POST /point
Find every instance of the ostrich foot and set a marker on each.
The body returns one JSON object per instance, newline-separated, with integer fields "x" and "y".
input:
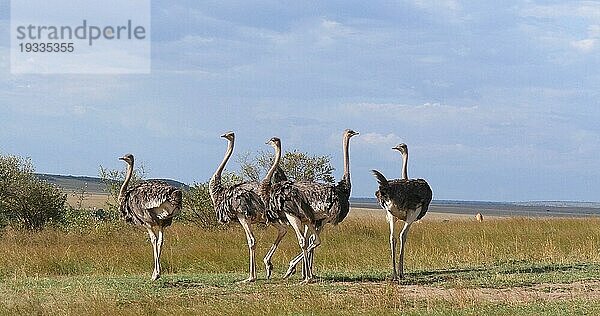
{"x": 248, "y": 280}
{"x": 155, "y": 276}
{"x": 308, "y": 281}
{"x": 291, "y": 270}
{"x": 269, "y": 269}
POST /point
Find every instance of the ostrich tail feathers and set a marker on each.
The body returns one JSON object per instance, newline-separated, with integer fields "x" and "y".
{"x": 380, "y": 178}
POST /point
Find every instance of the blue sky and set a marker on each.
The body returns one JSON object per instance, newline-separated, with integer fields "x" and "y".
{"x": 496, "y": 101}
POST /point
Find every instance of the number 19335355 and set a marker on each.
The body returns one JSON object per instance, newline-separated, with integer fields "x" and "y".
{"x": 46, "y": 47}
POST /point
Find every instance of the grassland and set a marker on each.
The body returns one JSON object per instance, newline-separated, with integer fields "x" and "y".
{"x": 457, "y": 267}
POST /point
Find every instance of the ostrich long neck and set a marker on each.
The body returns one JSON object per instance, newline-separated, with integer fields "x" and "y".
{"x": 346, "y": 143}
{"x": 405, "y": 165}
{"x": 126, "y": 182}
{"x": 269, "y": 175}
{"x": 216, "y": 178}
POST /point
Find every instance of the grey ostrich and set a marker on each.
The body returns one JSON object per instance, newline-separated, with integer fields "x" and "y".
{"x": 284, "y": 200}
{"x": 403, "y": 199}
{"x": 151, "y": 204}
{"x": 330, "y": 202}
{"x": 241, "y": 203}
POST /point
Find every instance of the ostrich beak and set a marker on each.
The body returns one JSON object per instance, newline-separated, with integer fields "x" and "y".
{"x": 121, "y": 158}
{"x": 227, "y": 134}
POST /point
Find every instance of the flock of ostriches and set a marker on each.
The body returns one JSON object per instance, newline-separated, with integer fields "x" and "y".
{"x": 305, "y": 206}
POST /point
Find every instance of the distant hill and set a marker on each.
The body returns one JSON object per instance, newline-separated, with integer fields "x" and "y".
{"x": 94, "y": 185}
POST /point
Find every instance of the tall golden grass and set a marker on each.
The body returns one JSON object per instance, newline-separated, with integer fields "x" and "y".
{"x": 360, "y": 244}
{"x": 107, "y": 270}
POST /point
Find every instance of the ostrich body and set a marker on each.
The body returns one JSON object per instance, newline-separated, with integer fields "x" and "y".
{"x": 285, "y": 200}
{"x": 151, "y": 204}
{"x": 330, "y": 202}
{"x": 403, "y": 199}
{"x": 241, "y": 203}
{"x": 479, "y": 217}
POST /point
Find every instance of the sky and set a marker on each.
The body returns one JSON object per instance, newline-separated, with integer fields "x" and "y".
{"x": 497, "y": 101}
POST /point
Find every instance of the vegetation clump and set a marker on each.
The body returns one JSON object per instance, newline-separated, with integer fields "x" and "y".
{"x": 26, "y": 201}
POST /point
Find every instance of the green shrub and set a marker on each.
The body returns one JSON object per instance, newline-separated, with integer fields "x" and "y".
{"x": 197, "y": 204}
{"x": 26, "y": 201}
{"x": 84, "y": 220}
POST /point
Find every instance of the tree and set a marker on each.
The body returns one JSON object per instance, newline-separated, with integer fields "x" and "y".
{"x": 298, "y": 166}
{"x": 25, "y": 200}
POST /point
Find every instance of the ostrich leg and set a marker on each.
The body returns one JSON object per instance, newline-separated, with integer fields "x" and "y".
{"x": 251, "y": 247}
{"x": 403, "y": 235}
{"x": 392, "y": 221}
{"x": 154, "y": 241}
{"x": 281, "y": 231}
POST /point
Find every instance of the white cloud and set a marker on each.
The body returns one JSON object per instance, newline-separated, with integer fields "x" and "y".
{"x": 390, "y": 139}
{"x": 425, "y": 113}
{"x": 585, "y": 46}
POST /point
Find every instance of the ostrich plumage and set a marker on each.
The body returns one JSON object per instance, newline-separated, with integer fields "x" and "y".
{"x": 403, "y": 196}
{"x": 404, "y": 199}
{"x": 151, "y": 204}
{"x": 287, "y": 201}
{"x": 140, "y": 203}
{"x": 242, "y": 203}
{"x": 229, "y": 202}
{"x": 330, "y": 202}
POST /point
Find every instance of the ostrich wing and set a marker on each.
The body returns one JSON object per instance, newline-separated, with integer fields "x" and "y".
{"x": 151, "y": 200}
{"x": 329, "y": 201}
{"x": 403, "y": 194}
{"x": 286, "y": 197}
{"x": 238, "y": 199}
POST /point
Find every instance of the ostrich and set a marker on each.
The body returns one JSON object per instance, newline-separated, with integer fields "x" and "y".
{"x": 285, "y": 200}
{"x": 403, "y": 199}
{"x": 330, "y": 202}
{"x": 479, "y": 217}
{"x": 241, "y": 203}
{"x": 151, "y": 204}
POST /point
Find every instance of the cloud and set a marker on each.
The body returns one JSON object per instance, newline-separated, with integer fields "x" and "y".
{"x": 371, "y": 138}
{"x": 586, "y": 45}
{"x": 414, "y": 114}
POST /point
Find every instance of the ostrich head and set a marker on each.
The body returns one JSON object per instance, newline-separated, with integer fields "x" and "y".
{"x": 229, "y": 136}
{"x": 402, "y": 148}
{"x": 127, "y": 158}
{"x": 349, "y": 133}
{"x": 274, "y": 142}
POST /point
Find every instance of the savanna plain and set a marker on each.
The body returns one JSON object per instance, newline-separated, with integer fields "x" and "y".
{"x": 454, "y": 266}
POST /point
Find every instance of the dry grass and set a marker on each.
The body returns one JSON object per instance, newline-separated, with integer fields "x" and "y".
{"x": 107, "y": 271}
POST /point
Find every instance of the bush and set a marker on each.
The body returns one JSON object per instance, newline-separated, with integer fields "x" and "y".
{"x": 197, "y": 204}
{"x": 26, "y": 201}
{"x": 83, "y": 220}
